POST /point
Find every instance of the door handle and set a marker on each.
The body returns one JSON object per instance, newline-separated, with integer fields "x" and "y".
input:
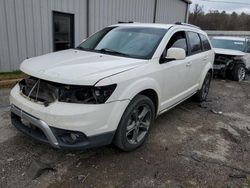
{"x": 189, "y": 64}
{"x": 205, "y": 59}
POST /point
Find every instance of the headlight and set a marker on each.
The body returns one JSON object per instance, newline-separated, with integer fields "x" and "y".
{"x": 86, "y": 94}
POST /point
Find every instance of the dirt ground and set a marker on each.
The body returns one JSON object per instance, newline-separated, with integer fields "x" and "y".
{"x": 192, "y": 145}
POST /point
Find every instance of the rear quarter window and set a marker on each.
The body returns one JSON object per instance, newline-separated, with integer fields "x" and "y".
{"x": 194, "y": 42}
{"x": 205, "y": 43}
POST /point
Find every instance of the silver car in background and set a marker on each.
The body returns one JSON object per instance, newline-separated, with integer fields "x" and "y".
{"x": 232, "y": 59}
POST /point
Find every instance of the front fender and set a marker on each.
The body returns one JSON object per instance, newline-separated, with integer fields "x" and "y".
{"x": 138, "y": 86}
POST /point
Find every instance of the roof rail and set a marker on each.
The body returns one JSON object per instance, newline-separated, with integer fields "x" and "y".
{"x": 121, "y": 22}
{"x": 186, "y": 24}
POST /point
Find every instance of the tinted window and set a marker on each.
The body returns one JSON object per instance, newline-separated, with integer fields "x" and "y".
{"x": 195, "y": 42}
{"x": 178, "y": 40}
{"x": 205, "y": 43}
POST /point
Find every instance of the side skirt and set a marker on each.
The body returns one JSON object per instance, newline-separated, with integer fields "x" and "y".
{"x": 174, "y": 105}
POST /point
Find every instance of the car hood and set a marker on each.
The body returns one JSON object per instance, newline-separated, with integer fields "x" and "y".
{"x": 77, "y": 67}
{"x": 228, "y": 52}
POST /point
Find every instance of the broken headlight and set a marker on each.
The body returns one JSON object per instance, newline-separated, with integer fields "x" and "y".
{"x": 238, "y": 58}
{"x": 85, "y": 94}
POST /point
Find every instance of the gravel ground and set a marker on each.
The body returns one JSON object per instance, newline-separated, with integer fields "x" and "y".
{"x": 192, "y": 145}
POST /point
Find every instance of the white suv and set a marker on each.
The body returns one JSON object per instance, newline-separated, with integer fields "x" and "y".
{"x": 112, "y": 86}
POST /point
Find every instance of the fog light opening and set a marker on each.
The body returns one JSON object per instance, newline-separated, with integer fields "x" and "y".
{"x": 74, "y": 136}
{"x": 71, "y": 138}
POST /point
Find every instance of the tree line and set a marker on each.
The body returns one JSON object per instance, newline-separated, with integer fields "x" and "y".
{"x": 216, "y": 20}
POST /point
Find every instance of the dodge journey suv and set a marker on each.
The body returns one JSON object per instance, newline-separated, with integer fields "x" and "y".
{"x": 112, "y": 86}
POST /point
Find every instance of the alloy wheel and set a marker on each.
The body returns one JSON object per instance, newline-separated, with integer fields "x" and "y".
{"x": 241, "y": 73}
{"x": 138, "y": 124}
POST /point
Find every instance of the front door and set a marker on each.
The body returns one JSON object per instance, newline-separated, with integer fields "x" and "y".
{"x": 63, "y": 31}
{"x": 174, "y": 73}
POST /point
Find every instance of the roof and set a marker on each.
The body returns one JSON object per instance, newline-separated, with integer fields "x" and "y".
{"x": 161, "y": 26}
{"x": 230, "y": 38}
{"x": 188, "y": 1}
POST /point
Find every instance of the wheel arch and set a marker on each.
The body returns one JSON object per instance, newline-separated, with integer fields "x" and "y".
{"x": 236, "y": 62}
{"x": 208, "y": 68}
{"x": 148, "y": 87}
{"x": 150, "y": 93}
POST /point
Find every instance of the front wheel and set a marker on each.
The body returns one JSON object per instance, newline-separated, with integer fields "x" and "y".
{"x": 135, "y": 123}
{"x": 238, "y": 72}
{"x": 202, "y": 94}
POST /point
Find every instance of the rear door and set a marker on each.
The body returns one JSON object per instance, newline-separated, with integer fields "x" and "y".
{"x": 196, "y": 60}
{"x": 207, "y": 50}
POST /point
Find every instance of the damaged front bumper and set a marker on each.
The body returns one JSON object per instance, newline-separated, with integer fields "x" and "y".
{"x": 60, "y": 124}
{"x": 57, "y": 138}
{"x": 42, "y": 133}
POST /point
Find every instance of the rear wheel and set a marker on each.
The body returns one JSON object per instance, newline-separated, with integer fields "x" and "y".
{"x": 202, "y": 94}
{"x": 135, "y": 123}
{"x": 239, "y": 72}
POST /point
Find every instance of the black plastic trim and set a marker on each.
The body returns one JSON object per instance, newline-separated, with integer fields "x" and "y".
{"x": 89, "y": 142}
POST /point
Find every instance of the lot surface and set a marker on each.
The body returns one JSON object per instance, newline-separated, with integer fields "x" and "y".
{"x": 191, "y": 145}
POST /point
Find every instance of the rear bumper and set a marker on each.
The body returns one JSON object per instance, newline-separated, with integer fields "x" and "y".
{"x": 42, "y": 132}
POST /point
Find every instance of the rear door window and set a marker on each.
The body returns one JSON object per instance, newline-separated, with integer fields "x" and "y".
{"x": 205, "y": 43}
{"x": 194, "y": 42}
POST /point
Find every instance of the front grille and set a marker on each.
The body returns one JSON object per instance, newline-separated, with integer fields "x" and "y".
{"x": 39, "y": 90}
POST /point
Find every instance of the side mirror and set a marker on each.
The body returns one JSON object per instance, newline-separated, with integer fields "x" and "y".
{"x": 175, "y": 54}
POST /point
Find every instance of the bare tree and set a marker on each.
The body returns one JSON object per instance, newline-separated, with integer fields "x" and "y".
{"x": 198, "y": 9}
{"x": 216, "y": 20}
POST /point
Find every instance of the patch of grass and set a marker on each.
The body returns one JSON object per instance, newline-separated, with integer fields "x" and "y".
{"x": 12, "y": 75}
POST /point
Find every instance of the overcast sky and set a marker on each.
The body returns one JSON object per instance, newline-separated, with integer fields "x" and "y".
{"x": 238, "y": 7}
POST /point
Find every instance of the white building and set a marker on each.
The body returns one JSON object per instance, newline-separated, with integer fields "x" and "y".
{"x": 30, "y": 28}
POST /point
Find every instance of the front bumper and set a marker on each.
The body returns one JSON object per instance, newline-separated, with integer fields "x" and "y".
{"x": 42, "y": 132}
{"x": 97, "y": 123}
{"x": 47, "y": 136}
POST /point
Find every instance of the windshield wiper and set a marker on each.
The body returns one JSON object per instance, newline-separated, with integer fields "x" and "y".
{"x": 107, "y": 50}
{"x": 104, "y": 50}
{"x": 80, "y": 48}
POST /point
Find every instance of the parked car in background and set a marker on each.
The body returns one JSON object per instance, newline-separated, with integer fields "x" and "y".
{"x": 232, "y": 57}
{"x": 112, "y": 86}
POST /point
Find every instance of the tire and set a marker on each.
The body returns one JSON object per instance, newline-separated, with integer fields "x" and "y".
{"x": 135, "y": 123}
{"x": 238, "y": 72}
{"x": 202, "y": 94}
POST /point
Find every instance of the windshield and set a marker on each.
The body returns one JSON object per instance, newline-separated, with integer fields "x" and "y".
{"x": 135, "y": 42}
{"x": 229, "y": 44}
